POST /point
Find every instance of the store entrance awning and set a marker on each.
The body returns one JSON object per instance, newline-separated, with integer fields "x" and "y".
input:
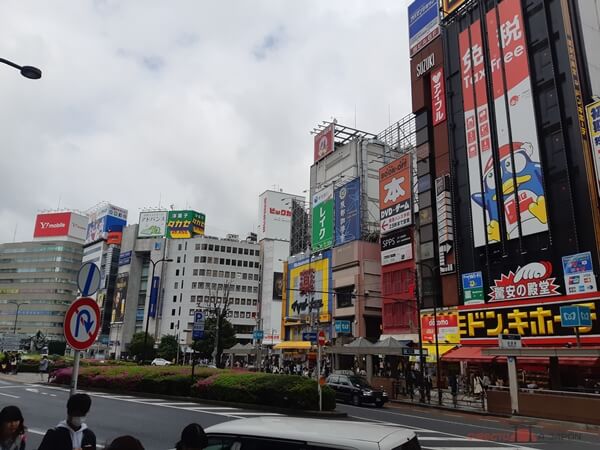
{"x": 468, "y": 354}
{"x": 430, "y": 358}
{"x": 293, "y": 345}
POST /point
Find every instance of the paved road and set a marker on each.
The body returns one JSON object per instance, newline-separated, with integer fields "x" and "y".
{"x": 157, "y": 422}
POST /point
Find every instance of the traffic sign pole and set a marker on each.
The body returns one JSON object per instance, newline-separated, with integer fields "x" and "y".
{"x": 75, "y": 374}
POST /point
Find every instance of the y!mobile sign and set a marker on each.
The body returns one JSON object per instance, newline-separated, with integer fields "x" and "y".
{"x": 60, "y": 224}
{"x": 423, "y": 24}
{"x": 395, "y": 194}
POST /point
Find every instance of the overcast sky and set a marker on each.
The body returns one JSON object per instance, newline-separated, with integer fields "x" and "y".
{"x": 199, "y": 104}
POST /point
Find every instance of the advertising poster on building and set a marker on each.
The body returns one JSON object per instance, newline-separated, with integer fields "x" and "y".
{"x": 447, "y": 327}
{"x": 480, "y": 160}
{"x": 579, "y": 273}
{"x": 593, "y": 117}
{"x": 309, "y": 286}
{"x": 58, "y": 224}
{"x": 324, "y": 142}
{"x": 152, "y": 224}
{"x": 472, "y": 284}
{"x": 423, "y": 24}
{"x": 533, "y": 280}
{"x": 278, "y": 285}
{"x": 438, "y": 96}
{"x": 184, "y": 224}
{"x": 449, "y": 6}
{"x": 520, "y": 168}
{"x": 275, "y": 215}
{"x": 396, "y": 247}
{"x": 395, "y": 194}
{"x": 537, "y": 323}
{"x": 322, "y": 219}
{"x": 118, "y": 312}
{"x": 347, "y": 212}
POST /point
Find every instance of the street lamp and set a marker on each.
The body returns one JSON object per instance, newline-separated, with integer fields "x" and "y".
{"x": 33, "y": 73}
{"x": 435, "y": 325}
{"x": 154, "y": 263}
{"x": 19, "y": 304}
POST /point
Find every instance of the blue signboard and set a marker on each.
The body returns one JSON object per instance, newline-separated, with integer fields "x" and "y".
{"x": 124, "y": 258}
{"x": 114, "y": 224}
{"x": 309, "y": 336}
{"x": 342, "y": 326}
{"x": 472, "y": 280}
{"x": 198, "y": 330}
{"x": 423, "y": 23}
{"x": 153, "y": 296}
{"x": 347, "y": 212}
{"x": 579, "y": 273}
{"x": 575, "y": 316}
{"x": 258, "y": 334}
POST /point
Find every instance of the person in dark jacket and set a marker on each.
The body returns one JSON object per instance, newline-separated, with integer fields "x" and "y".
{"x": 192, "y": 438}
{"x": 72, "y": 433}
{"x": 125, "y": 443}
{"x": 12, "y": 430}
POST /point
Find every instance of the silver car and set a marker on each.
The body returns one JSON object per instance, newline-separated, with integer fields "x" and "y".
{"x": 295, "y": 433}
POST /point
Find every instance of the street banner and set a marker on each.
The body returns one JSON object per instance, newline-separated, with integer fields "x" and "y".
{"x": 322, "y": 219}
{"x": 347, "y": 212}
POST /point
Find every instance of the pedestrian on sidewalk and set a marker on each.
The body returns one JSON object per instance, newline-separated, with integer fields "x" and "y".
{"x": 12, "y": 430}
{"x": 72, "y": 433}
{"x": 125, "y": 443}
{"x": 44, "y": 364}
{"x": 453, "y": 384}
{"x": 192, "y": 438}
{"x": 428, "y": 385}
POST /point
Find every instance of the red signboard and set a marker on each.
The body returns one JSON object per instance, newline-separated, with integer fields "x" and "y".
{"x": 324, "y": 142}
{"x": 52, "y": 224}
{"x": 447, "y": 327}
{"x": 438, "y": 96}
{"x": 395, "y": 194}
{"x": 533, "y": 280}
{"x": 114, "y": 237}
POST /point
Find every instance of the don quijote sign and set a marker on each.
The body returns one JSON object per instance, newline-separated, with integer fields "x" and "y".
{"x": 532, "y": 280}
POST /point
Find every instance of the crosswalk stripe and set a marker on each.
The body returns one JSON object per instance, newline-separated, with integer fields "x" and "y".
{"x": 206, "y": 408}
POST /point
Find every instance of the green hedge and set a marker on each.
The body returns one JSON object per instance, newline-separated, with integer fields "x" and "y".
{"x": 56, "y": 363}
{"x": 282, "y": 391}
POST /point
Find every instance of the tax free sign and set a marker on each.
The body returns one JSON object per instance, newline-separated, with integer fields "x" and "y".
{"x": 322, "y": 219}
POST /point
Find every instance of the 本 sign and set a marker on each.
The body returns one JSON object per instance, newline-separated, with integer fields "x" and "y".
{"x": 395, "y": 194}
{"x": 82, "y": 323}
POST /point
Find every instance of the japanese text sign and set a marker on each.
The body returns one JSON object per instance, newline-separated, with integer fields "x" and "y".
{"x": 533, "y": 280}
{"x": 347, "y": 212}
{"x": 438, "y": 96}
{"x": 579, "y": 273}
{"x": 395, "y": 194}
{"x": 322, "y": 219}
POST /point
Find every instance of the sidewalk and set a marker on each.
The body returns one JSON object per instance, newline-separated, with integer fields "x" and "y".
{"x": 23, "y": 377}
{"x": 464, "y": 402}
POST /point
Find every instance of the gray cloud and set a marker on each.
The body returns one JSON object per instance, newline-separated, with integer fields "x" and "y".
{"x": 192, "y": 103}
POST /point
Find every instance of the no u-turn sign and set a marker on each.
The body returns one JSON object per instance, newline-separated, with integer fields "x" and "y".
{"x": 82, "y": 323}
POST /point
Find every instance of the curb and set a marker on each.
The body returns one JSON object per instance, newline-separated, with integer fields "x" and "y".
{"x": 449, "y": 408}
{"x": 289, "y": 412}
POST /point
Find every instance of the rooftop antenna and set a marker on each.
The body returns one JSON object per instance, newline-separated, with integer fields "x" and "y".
{"x": 15, "y": 232}
{"x": 59, "y": 199}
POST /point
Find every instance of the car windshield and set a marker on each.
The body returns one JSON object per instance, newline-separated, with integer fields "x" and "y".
{"x": 359, "y": 382}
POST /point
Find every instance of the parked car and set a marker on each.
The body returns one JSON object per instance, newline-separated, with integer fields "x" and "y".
{"x": 356, "y": 390}
{"x": 294, "y": 433}
{"x": 160, "y": 362}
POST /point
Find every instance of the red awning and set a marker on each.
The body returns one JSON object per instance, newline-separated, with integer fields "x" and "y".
{"x": 470, "y": 354}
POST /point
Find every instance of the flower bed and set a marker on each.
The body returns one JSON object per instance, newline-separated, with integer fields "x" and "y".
{"x": 165, "y": 380}
{"x": 32, "y": 364}
{"x": 282, "y": 391}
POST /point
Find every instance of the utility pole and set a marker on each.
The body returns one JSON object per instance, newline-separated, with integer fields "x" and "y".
{"x": 215, "y": 350}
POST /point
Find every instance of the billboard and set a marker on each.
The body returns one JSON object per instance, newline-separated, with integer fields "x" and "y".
{"x": 105, "y": 219}
{"x": 593, "y": 117}
{"x": 347, "y": 212}
{"x": 423, "y": 24}
{"x": 324, "y": 142}
{"x": 322, "y": 219}
{"x": 396, "y": 247}
{"x": 537, "y": 323}
{"x": 152, "y": 224}
{"x": 184, "y": 224}
{"x": 309, "y": 286}
{"x": 449, "y": 6}
{"x": 395, "y": 194}
{"x": 60, "y": 224}
{"x": 438, "y": 96}
{"x": 579, "y": 273}
{"x": 533, "y": 280}
{"x": 519, "y": 150}
{"x": 447, "y": 327}
{"x": 278, "y": 285}
{"x": 275, "y": 215}
{"x": 118, "y": 312}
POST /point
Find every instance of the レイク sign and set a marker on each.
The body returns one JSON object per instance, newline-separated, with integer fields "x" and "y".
{"x": 533, "y": 280}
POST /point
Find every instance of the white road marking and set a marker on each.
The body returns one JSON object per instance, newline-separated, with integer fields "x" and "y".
{"x": 203, "y": 408}
{"x": 9, "y": 395}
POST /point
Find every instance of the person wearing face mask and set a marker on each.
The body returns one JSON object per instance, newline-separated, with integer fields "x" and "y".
{"x": 12, "y": 430}
{"x": 73, "y": 433}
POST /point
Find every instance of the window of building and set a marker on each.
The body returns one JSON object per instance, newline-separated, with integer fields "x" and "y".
{"x": 245, "y": 263}
{"x": 221, "y": 274}
{"x": 237, "y": 301}
{"x": 193, "y": 298}
{"x": 256, "y": 277}
{"x": 208, "y": 272}
{"x": 344, "y": 296}
{"x": 255, "y": 289}
{"x": 202, "y": 259}
{"x": 226, "y": 274}
{"x": 244, "y": 288}
{"x": 254, "y": 302}
{"x": 176, "y": 285}
{"x": 197, "y": 247}
{"x": 234, "y": 250}
{"x": 239, "y": 263}
{"x": 229, "y": 313}
{"x": 179, "y": 247}
{"x": 228, "y": 262}
{"x": 236, "y": 314}
{"x": 174, "y": 298}
{"x": 209, "y": 260}
{"x": 173, "y": 312}
{"x": 192, "y": 312}
{"x": 257, "y": 265}
{"x": 243, "y": 301}
{"x": 176, "y": 272}
{"x": 228, "y": 250}
{"x": 201, "y": 272}
{"x": 195, "y": 273}
{"x": 223, "y": 248}
{"x": 248, "y": 315}
{"x": 204, "y": 246}
{"x": 253, "y": 315}
{"x": 201, "y": 285}
{"x": 194, "y": 284}
{"x": 182, "y": 283}
{"x": 244, "y": 276}
{"x": 214, "y": 286}
{"x": 199, "y": 298}
{"x": 210, "y": 247}
{"x": 172, "y": 325}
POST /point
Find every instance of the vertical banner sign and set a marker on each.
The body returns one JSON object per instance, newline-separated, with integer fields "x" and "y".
{"x": 120, "y": 299}
{"x": 593, "y": 117}
{"x": 443, "y": 202}
{"x": 322, "y": 219}
{"x": 347, "y": 212}
{"x": 423, "y": 24}
{"x": 484, "y": 207}
{"x": 438, "y": 96}
{"x": 472, "y": 284}
{"x": 324, "y": 142}
{"x": 395, "y": 194}
{"x": 520, "y": 169}
{"x": 153, "y": 297}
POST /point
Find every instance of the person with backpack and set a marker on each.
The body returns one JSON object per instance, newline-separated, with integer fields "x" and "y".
{"x": 12, "y": 430}
{"x": 72, "y": 433}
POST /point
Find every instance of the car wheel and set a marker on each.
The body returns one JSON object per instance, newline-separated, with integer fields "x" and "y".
{"x": 356, "y": 400}
{"x": 379, "y": 404}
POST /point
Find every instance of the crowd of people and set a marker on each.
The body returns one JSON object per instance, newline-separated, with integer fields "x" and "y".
{"x": 74, "y": 433}
{"x": 9, "y": 362}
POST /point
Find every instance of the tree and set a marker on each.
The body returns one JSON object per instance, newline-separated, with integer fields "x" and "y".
{"x": 136, "y": 346}
{"x": 227, "y": 339}
{"x": 56, "y": 347}
{"x": 167, "y": 348}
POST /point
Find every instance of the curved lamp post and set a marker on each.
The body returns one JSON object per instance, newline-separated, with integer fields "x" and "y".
{"x": 19, "y": 304}
{"x": 154, "y": 263}
{"x": 33, "y": 73}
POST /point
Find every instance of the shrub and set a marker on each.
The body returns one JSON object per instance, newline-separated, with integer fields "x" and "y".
{"x": 282, "y": 391}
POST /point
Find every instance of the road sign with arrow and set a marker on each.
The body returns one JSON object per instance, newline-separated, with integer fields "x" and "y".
{"x": 82, "y": 323}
